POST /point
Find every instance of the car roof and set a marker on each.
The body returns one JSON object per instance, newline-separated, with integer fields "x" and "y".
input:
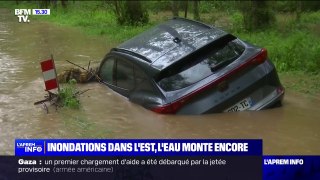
{"x": 168, "y": 42}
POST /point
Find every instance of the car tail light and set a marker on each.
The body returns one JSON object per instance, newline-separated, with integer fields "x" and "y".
{"x": 280, "y": 90}
{"x": 166, "y": 109}
{"x": 173, "y": 107}
{"x": 261, "y": 57}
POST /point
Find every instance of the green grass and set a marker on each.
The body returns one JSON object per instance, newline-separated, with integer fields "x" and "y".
{"x": 92, "y": 17}
{"x": 291, "y": 45}
{"x": 94, "y": 20}
{"x": 297, "y": 51}
{"x": 67, "y": 95}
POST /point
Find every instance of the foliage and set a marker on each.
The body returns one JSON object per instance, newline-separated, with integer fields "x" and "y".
{"x": 256, "y": 15}
{"x": 285, "y": 6}
{"x": 289, "y": 52}
{"x": 311, "y": 17}
{"x": 214, "y": 6}
{"x": 292, "y": 44}
{"x": 67, "y": 95}
{"x": 131, "y": 13}
{"x": 237, "y": 22}
{"x": 158, "y": 6}
{"x": 196, "y": 13}
{"x": 293, "y": 6}
{"x": 94, "y": 18}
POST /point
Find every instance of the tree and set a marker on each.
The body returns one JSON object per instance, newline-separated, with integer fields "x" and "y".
{"x": 298, "y": 10}
{"x": 43, "y": 3}
{"x": 256, "y": 14}
{"x": 175, "y": 9}
{"x": 186, "y": 8}
{"x": 64, "y": 3}
{"x": 54, "y": 3}
{"x": 196, "y": 14}
{"x": 130, "y": 12}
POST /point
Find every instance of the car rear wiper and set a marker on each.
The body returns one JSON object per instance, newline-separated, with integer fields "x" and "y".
{"x": 222, "y": 64}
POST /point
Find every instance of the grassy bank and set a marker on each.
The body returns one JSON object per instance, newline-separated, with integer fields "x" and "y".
{"x": 301, "y": 82}
{"x": 92, "y": 17}
{"x": 293, "y": 46}
{"x": 94, "y": 20}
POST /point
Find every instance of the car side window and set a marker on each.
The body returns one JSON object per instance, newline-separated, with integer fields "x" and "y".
{"x": 142, "y": 82}
{"x": 106, "y": 71}
{"x": 124, "y": 75}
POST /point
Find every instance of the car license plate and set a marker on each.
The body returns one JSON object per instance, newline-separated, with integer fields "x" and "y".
{"x": 240, "y": 106}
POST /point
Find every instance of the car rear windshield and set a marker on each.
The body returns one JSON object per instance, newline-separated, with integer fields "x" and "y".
{"x": 194, "y": 72}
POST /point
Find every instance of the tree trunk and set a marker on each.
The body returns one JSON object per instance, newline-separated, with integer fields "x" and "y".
{"x": 186, "y": 9}
{"x": 64, "y": 3}
{"x": 175, "y": 9}
{"x": 130, "y": 12}
{"x": 196, "y": 14}
{"x": 117, "y": 11}
{"x": 54, "y": 3}
{"x": 134, "y": 12}
{"x": 44, "y": 4}
{"x": 256, "y": 14}
{"x": 298, "y": 10}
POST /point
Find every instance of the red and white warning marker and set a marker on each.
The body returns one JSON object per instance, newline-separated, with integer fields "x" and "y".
{"x": 49, "y": 74}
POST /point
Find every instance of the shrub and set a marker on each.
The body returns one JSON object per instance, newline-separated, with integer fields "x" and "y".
{"x": 67, "y": 95}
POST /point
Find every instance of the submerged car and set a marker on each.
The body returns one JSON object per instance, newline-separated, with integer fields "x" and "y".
{"x": 186, "y": 67}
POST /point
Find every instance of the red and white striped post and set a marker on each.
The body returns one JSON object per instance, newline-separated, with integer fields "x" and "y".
{"x": 49, "y": 74}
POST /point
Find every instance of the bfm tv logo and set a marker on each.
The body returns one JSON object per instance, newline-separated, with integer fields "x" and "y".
{"x": 30, "y": 147}
{"x": 23, "y": 14}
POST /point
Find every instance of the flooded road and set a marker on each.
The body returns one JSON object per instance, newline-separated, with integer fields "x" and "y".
{"x": 293, "y": 129}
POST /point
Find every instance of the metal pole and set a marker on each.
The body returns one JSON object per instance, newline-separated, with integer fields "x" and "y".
{"x": 55, "y": 71}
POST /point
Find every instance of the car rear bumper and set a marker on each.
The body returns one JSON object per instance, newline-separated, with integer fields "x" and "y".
{"x": 260, "y": 86}
{"x": 270, "y": 100}
{"x": 266, "y": 93}
{"x": 263, "y": 93}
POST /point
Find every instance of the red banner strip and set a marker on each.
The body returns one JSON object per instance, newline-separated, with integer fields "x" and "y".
{"x": 51, "y": 84}
{"x": 47, "y": 65}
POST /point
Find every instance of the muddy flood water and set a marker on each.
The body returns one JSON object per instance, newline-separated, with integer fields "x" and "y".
{"x": 292, "y": 129}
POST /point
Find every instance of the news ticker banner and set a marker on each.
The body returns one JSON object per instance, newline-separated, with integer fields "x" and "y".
{"x": 153, "y": 159}
{"x": 170, "y": 167}
{"x": 137, "y": 147}
{"x": 135, "y": 159}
